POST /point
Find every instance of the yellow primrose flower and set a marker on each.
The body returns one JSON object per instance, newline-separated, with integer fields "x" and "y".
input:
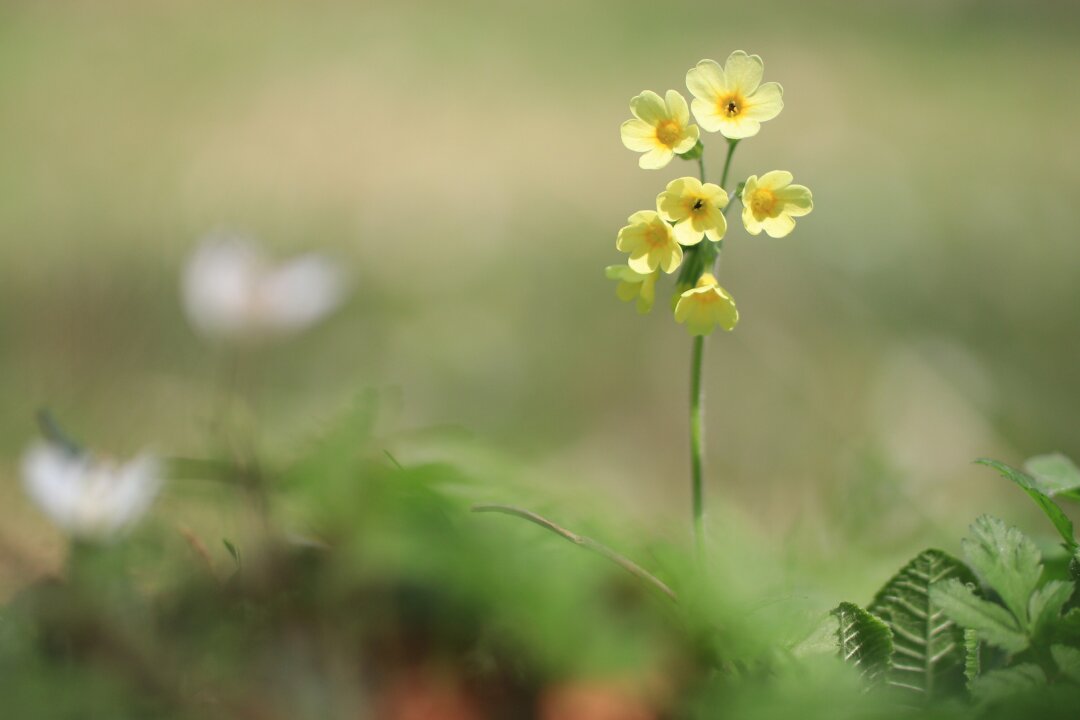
{"x": 633, "y": 285}
{"x": 650, "y": 242}
{"x": 696, "y": 208}
{"x": 705, "y": 306}
{"x": 732, "y": 99}
{"x": 660, "y": 128}
{"x": 772, "y": 203}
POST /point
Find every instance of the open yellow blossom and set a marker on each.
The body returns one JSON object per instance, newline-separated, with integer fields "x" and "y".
{"x": 650, "y": 242}
{"x": 696, "y": 208}
{"x": 771, "y": 203}
{"x": 660, "y": 128}
{"x": 732, "y": 99}
{"x": 633, "y": 285}
{"x": 704, "y": 307}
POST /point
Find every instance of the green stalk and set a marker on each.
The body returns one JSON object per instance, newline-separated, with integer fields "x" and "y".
{"x": 697, "y": 404}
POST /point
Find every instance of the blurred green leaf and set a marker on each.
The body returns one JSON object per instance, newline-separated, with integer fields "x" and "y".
{"x": 1055, "y": 474}
{"x": 1007, "y": 560}
{"x": 998, "y": 685}
{"x": 1044, "y": 500}
{"x": 1068, "y": 661}
{"x": 1046, "y": 605}
{"x": 993, "y": 623}
{"x": 864, "y": 641}
{"x": 929, "y": 645}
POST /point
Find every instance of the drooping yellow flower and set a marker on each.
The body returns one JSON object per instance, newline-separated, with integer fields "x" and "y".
{"x": 771, "y": 203}
{"x": 696, "y": 208}
{"x": 661, "y": 128}
{"x": 650, "y": 242}
{"x": 633, "y": 284}
{"x": 704, "y": 307}
{"x": 732, "y": 99}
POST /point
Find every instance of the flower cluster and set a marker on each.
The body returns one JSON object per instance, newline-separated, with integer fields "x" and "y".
{"x": 733, "y": 101}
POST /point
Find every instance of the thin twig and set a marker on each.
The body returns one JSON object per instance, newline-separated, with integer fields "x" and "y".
{"x": 621, "y": 560}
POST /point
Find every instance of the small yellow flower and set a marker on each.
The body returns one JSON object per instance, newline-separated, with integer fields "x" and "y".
{"x": 697, "y": 209}
{"x": 661, "y": 128}
{"x": 706, "y": 306}
{"x": 650, "y": 242}
{"x": 633, "y": 285}
{"x": 732, "y": 99}
{"x": 771, "y": 203}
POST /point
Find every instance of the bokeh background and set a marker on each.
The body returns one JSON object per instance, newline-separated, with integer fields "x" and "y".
{"x": 462, "y": 161}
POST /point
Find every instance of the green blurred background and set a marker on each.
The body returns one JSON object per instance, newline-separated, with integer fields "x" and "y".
{"x": 463, "y": 162}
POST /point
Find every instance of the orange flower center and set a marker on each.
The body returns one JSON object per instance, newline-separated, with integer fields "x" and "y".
{"x": 668, "y": 132}
{"x": 731, "y": 106}
{"x": 655, "y": 236}
{"x": 763, "y": 203}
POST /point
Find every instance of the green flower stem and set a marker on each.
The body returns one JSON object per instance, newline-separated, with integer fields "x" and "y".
{"x": 697, "y": 403}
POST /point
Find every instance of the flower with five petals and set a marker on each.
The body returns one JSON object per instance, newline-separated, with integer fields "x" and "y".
{"x": 661, "y": 128}
{"x": 732, "y": 99}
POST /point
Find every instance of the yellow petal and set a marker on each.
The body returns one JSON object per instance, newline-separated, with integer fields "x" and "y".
{"x": 778, "y": 226}
{"x": 775, "y": 180}
{"x": 719, "y": 226}
{"x": 649, "y": 107}
{"x": 706, "y": 81}
{"x": 706, "y": 114}
{"x": 751, "y": 223}
{"x": 743, "y": 72}
{"x": 656, "y": 158}
{"x": 690, "y": 138}
{"x": 766, "y": 103}
{"x": 686, "y": 233}
{"x": 678, "y": 110}
{"x": 670, "y": 258}
{"x": 797, "y": 199}
{"x": 648, "y": 294}
{"x": 642, "y": 261}
{"x": 638, "y": 135}
{"x": 736, "y": 128}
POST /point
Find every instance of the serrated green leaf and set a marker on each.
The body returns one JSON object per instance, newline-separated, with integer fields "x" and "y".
{"x": 972, "y": 658}
{"x": 1046, "y": 605}
{"x": 864, "y": 641}
{"x": 998, "y": 685}
{"x": 1055, "y": 474}
{"x": 994, "y": 623}
{"x": 1068, "y": 661}
{"x": 1042, "y": 498}
{"x": 1007, "y": 560}
{"x": 929, "y": 645}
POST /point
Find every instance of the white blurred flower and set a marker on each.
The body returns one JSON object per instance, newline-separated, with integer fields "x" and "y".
{"x": 232, "y": 292}
{"x": 90, "y": 498}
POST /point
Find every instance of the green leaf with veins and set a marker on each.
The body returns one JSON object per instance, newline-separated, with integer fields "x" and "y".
{"x": 1007, "y": 560}
{"x": 993, "y": 623}
{"x": 929, "y": 657}
{"x": 863, "y": 641}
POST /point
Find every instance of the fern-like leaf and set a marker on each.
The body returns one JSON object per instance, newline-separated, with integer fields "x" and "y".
{"x": 864, "y": 641}
{"x": 929, "y": 656}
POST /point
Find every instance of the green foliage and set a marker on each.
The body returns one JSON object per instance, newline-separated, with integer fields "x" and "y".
{"x": 1067, "y": 660}
{"x": 999, "y": 685}
{"x": 1055, "y": 474}
{"x": 929, "y": 647}
{"x": 993, "y": 623}
{"x": 1042, "y": 492}
{"x": 972, "y": 661}
{"x": 863, "y": 641}
{"x": 1007, "y": 560}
